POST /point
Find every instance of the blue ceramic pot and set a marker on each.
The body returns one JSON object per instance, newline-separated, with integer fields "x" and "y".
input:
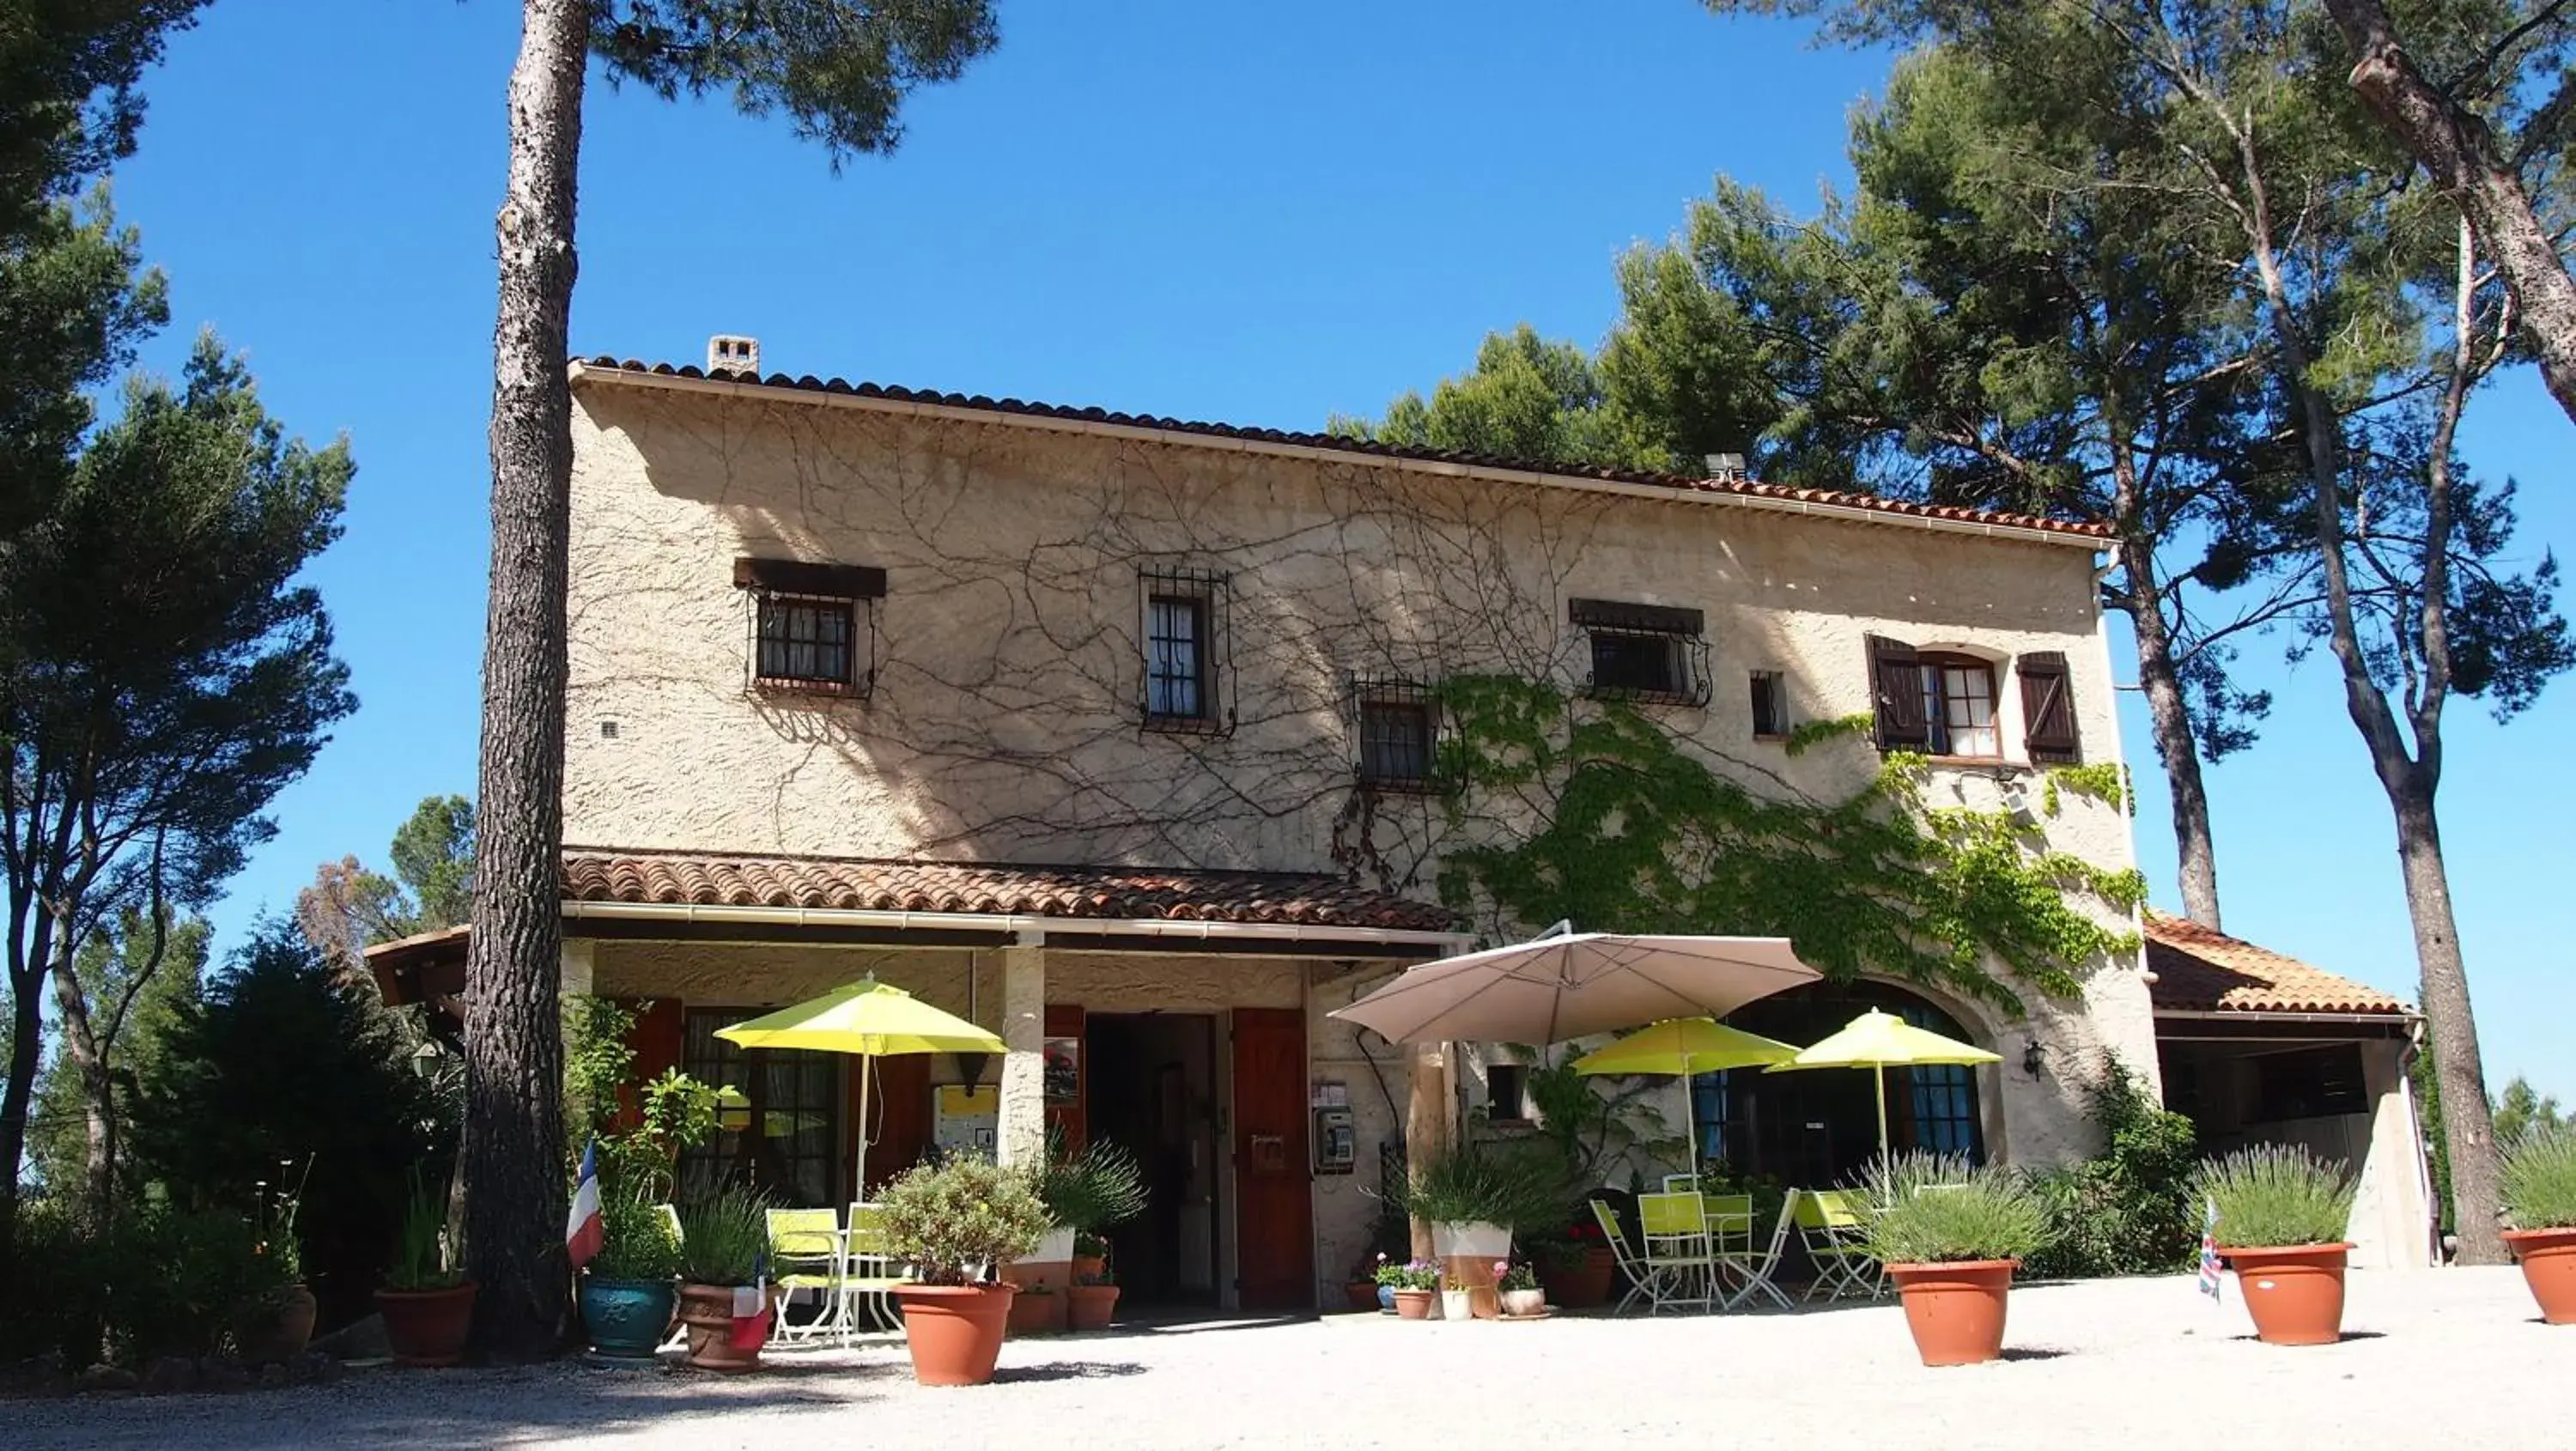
{"x": 625, "y": 1317}
{"x": 1386, "y": 1298}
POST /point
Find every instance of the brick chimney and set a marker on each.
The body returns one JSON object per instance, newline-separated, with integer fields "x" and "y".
{"x": 727, "y": 353}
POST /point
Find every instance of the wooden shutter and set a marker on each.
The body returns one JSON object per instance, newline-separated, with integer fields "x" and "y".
{"x": 2047, "y": 708}
{"x": 658, "y": 1036}
{"x": 1896, "y": 691}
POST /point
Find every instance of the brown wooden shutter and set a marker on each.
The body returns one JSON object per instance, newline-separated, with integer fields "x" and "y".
{"x": 1896, "y": 690}
{"x": 2048, "y": 708}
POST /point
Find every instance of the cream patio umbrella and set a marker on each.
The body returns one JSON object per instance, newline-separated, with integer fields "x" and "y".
{"x": 1575, "y": 984}
{"x": 1879, "y": 1041}
{"x": 871, "y": 1020}
{"x": 1685, "y": 1048}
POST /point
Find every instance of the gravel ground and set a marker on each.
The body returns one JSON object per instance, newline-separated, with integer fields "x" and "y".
{"x": 2448, "y": 1358}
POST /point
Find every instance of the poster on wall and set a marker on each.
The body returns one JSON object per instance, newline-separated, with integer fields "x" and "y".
{"x": 1063, "y": 1070}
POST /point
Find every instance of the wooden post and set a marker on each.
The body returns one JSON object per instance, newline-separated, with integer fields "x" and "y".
{"x": 1426, "y": 1122}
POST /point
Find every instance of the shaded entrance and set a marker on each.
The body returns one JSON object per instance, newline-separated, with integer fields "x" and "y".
{"x": 1152, "y": 1092}
{"x": 1818, "y": 1128}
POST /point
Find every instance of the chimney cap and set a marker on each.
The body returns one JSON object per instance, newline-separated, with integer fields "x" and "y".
{"x": 733, "y": 353}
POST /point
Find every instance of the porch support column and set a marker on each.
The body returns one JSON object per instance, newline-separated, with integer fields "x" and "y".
{"x": 578, "y": 956}
{"x": 1426, "y": 1121}
{"x": 1021, "y": 1132}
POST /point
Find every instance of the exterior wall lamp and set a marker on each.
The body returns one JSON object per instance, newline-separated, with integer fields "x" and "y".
{"x": 2034, "y": 1058}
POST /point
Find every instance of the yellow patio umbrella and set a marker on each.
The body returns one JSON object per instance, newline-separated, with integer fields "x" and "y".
{"x": 1879, "y": 1041}
{"x": 1685, "y": 1048}
{"x": 871, "y": 1020}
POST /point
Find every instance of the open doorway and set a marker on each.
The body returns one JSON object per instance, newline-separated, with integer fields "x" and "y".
{"x": 1153, "y": 1092}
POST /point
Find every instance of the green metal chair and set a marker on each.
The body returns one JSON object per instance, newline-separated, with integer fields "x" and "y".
{"x": 806, "y": 1255}
{"x": 1730, "y": 1234}
{"x": 1631, "y": 1264}
{"x": 870, "y": 1272}
{"x": 1759, "y": 1269}
{"x": 1832, "y": 1227}
{"x": 1678, "y": 1254}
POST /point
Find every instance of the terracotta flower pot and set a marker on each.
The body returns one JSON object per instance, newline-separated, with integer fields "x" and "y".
{"x": 1091, "y": 1306}
{"x": 1360, "y": 1294}
{"x": 427, "y": 1327}
{"x": 2549, "y": 1267}
{"x": 1956, "y": 1310}
{"x": 276, "y": 1327}
{"x": 707, "y": 1310}
{"x": 1582, "y": 1285}
{"x": 1414, "y": 1304}
{"x": 2294, "y": 1292}
{"x": 955, "y": 1331}
{"x": 1035, "y": 1312}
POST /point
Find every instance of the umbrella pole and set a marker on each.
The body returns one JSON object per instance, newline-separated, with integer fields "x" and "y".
{"x": 1878, "y": 1080}
{"x": 859, "y": 1175}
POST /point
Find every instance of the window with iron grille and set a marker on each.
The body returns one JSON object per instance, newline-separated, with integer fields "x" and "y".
{"x": 1398, "y": 724}
{"x": 1653, "y": 653}
{"x": 779, "y": 1128}
{"x": 1184, "y": 620}
{"x": 805, "y": 642}
{"x": 1770, "y": 703}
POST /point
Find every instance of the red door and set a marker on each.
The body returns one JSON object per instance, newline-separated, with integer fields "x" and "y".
{"x": 1274, "y": 1207}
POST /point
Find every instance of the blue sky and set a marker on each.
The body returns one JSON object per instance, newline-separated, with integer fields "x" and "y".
{"x": 1253, "y": 214}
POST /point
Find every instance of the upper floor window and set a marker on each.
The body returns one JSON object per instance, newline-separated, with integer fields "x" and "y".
{"x": 1959, "y": 706}
{"x": 1399, "y": 731}
{"x": 1184, "y": 623}
{"x": 813, "y": 626}
{"x": 1644, "y": 652}
{"x": 1770, "y": 703}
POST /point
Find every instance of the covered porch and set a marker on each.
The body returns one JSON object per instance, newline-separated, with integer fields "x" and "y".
{"x": 1175, "y": 1013}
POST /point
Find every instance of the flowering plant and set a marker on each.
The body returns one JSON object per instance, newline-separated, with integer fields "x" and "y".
{"x": 1410, "y": 1275}
{"x": 1515, "y": 1276}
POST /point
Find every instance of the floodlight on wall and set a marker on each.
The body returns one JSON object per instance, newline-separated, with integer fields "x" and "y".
{"x": 970, "y": 1066}
{"x": 2034, "y": 1058}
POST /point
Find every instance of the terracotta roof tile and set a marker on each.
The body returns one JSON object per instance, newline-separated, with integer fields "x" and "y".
{"x": 1122, "y": 893}
{"x": 2203, "y": 970}
{"x": 1743, "y": 487}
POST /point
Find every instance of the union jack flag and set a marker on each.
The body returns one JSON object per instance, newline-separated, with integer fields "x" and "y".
{"x": 2209, "y": 1250}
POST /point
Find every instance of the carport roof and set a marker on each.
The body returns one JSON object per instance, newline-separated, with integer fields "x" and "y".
{"x": 2201, "y": 969}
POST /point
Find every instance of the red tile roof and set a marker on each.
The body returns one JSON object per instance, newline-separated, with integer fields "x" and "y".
{"x": 2203, "y": 970}
{"x": 1118, "y": 893}
{"x": 1683, "y": 482}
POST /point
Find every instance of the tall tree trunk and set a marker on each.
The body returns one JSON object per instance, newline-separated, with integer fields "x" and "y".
{"x": 26, "y": 1051}
{"x": 2460, "y": 150}
{"x": 2468, "y": 1128}
{"x": 2169, "y": 716}
{"x": 98, "y": 1106}
{"x": 513, "y": 1167}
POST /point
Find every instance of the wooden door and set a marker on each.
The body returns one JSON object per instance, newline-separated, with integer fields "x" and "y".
{"x": 1274, "y": 1204}
{"x": 898, "y": 1116}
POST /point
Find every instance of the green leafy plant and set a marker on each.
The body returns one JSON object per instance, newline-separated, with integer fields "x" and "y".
{"x": 953, "y": 1222}
{"x": 1941, "y": 1209}
{"x": 421, "y": 1260}
{"x": 1518, "y": 1185}
{"x": 2131, "y": 1210}
{"x": 723, "y": 1239}
{"x": 1515, "y": 1276}
{"x": 2540, "y": 1180}
{"x": 637, "y": 1241}
{"x": 2273, "y": 1194}
{"x": 1407, "y": 1274}
{"x": 1090, "y": 1189}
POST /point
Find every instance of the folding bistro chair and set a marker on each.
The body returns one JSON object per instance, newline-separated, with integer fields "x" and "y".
{"x": 1758, "y": 1269}
{"x": 1640, "y": 1281}
{"x": 1677, "y": 1249}
{"x": 807, "y": 1247}
{"x": 1831, "y": 1227}
{"x": 1681, "y": 1183}
{"x": 869, "y": 1273}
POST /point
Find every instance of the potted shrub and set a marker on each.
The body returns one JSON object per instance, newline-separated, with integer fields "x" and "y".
{"x": 1522, "y": 1298}
{"x": 626, "y": 1289}
{"x": 1090, "y": 1191}
{"x": 1410, "y": 1285}
{"x": 2540, "y": 1196}
{"x": 953, "y": 1223}
{"x": 724, "y": 1246}
{"x": 2281, "y": 1218}
{"x": 427, "y": 1301}
{"x": 276, "y": 1321}
{"x": 1092, "y": 1301}
{"x": 1476, "y": 1196}
{"x": 1950, "y": 1235}
{"x": 1575, "y": 1266}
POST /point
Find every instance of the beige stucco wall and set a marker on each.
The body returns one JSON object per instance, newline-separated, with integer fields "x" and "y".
{"x": 1003, "y": 724}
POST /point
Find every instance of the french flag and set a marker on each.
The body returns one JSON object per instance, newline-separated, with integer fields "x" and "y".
{"x": 582, "y": 1229}
{"x": 751, "y": 1308}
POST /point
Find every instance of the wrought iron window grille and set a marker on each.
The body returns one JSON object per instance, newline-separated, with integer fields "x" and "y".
{"x": 1648, "y": 654}
{"x": 801, "y": 644}
{"x": 1400, "y": 735}
{"x": 1185, "y": 619}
